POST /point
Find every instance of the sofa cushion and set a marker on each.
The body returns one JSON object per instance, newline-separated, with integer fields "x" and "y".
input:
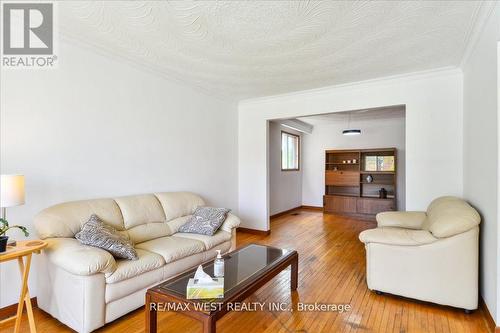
{"x": 232, "y": 221}
{"x": 125, "y": 269}
{"x": 177, "y": 204}
{"x": 140, "y": 209}
{"x": 79, "y": 259}
{"x": 172, "y": 248}
{"x": 409, "y": 220}
{"x": 205, "y": 221}
{"x": 123, "y": 288}
{"x": 149, "y": 231}
{"x": 96, "y": 233}
{"x": 397, "y": 236}
{"x": 176, "y": 223}
{"x": 449, "y": 216}
{"x": 66, "y": 219}
{"x": 210, "y": 242}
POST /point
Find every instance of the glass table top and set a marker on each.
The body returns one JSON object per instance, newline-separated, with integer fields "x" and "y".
{"x": 240, "y": 266}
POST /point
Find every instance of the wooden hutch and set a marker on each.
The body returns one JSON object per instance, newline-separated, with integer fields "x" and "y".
{"x": 360, "y": 183}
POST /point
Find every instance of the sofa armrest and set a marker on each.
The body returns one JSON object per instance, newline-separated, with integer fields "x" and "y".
{"x": 79, "y": 259}
{"x": 397, "y": 236}
{"x": 409, "y": 220}
{"x": 231, "y": 222}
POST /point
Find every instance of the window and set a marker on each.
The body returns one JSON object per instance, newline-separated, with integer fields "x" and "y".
{"x": 290, "y": 151}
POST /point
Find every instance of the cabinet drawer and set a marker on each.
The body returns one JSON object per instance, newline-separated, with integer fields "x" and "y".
{"x": 339, "y": 204}
{"x": 342, "y": 178}
{"x": 374, "y": 206}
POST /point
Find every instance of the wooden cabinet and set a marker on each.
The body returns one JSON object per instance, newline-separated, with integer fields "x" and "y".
{"x": 354, "y": 179}
{"x": 360, "y": 207}
{"x": 342, "y": 178}
{"x": 374, "y": 206}
{"x": 340, "y": 204}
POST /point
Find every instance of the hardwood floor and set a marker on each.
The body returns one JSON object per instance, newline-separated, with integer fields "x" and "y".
{"x": 331, "y": 270}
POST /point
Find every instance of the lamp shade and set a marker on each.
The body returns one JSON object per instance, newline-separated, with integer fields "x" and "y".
{"x": 12, "y": 190}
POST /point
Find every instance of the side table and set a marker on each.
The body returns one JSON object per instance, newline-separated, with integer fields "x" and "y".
{"x": 21, "y": 250}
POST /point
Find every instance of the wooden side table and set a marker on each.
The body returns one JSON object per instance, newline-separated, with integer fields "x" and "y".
{"x": 21, "y": 250}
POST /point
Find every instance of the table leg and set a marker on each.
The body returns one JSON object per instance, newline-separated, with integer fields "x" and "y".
{"x": 29, "y": 310}
{"x": 24, "y": 269}
{"x": 151, "y": 316}
{"x": 209, "y": 325}
{"x": 294, "y": 274}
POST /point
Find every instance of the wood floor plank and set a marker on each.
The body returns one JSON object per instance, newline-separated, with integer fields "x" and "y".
{"x": 331, "y": 270}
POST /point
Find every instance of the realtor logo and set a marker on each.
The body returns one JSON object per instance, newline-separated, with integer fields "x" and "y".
{"x": 28, "y": 29}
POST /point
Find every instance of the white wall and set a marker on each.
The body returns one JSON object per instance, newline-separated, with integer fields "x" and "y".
{"x": 481, "y": 151}
{"x": 285, "y": 187}
{"x": 434, "y": 127}
{"x": 98, "y": 127}
{"x": 376, "y": 133}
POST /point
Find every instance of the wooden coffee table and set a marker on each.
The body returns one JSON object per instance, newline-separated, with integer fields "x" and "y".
{"x": 245, "y": 270}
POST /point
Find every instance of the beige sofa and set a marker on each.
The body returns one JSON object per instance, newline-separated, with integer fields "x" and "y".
{"x": 430, "y": 256}
{"x": 85, "y": 287}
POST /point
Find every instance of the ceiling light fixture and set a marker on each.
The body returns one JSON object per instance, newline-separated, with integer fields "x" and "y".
{"x": 349, "y": 130}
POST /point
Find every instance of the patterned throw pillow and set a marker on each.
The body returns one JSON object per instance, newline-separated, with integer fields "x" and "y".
{"x": 205, "y": 221}
{"x": 96, "y": 233}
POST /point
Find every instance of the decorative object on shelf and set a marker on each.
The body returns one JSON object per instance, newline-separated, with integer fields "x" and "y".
{"x": 382, "y": 193}
{"x": 385, "y": 163}
{"x": 349, "y": 130}
{"x": 344, "y": 161}
{"x": 348, "y": 161}
{"x": 370, "y": 163}
{"x": 379, "y": 163}
{"x": 11, "y": 194}
{"x": 369, "y": 179}
{"x": 354, "y": 161}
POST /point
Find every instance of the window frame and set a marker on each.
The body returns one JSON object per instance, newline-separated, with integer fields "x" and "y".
{"x": 281, "y": 150}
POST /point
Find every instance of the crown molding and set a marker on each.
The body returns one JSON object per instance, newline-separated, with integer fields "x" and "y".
{"x": 476, "y": 28}
{"x": 432, "y": 73}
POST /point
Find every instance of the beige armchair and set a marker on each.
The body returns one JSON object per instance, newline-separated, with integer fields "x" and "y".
{"x": 431, "y": 256}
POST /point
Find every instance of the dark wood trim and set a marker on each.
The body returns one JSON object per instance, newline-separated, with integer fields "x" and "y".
{"x": 361, "y": 217}
{"x": 254, "y": 231}
{"x": 281, "y": 150}
{"x": 284, "y": 212}
{"x": 11, "y": 310}
{"x": 490, "y": 322}
{"x": 289, "y": 211}
{"x": 317, "y": 208}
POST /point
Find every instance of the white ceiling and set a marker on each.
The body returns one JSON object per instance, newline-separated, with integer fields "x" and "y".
{"x": 243, "y": 49}
{"x": 392, "y": 112}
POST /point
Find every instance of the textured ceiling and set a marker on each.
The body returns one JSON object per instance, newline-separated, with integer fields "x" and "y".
{"x": 244, "y": 49}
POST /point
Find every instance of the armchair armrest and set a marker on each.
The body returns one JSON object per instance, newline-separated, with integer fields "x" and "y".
{"x": 409, "y": 220}
{"x": 79, "y": 259}
{"x": 231, "y": 222}
{"x": 397, "y": 236}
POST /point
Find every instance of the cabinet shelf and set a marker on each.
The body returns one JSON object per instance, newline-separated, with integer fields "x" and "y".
{"x": 389, "y": 197}
{"x": 342, "y": 195}
{"x": 377, "y": 172}
{"x": 330, "y": 163}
